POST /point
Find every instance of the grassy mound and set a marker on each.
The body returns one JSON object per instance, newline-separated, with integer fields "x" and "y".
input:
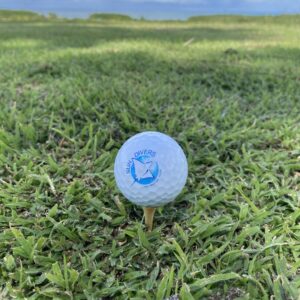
{"x": 15, "y": 15}
{"x": 109, "y": 17}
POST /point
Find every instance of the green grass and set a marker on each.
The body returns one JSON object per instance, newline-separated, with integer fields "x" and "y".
{"x": 71, "y": 94}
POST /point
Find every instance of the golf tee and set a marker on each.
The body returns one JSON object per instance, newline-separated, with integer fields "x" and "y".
{"x": 149, "y": 214}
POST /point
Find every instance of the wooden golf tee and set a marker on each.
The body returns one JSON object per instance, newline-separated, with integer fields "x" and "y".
{"x": 149, "y": 214}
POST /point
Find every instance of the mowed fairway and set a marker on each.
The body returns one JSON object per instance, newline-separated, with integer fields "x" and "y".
{"x": 72, "y": 93}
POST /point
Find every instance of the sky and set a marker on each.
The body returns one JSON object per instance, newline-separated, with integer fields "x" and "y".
{"x": 156, "y": 9}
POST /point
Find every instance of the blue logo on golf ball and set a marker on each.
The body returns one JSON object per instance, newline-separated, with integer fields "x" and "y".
{"x": 143, "y": 167}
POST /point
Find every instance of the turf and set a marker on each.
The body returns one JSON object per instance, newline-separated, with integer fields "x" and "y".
{"x": 72, "y": 93}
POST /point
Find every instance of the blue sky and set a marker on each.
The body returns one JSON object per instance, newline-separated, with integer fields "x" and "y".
{"x": 156, "y": 9}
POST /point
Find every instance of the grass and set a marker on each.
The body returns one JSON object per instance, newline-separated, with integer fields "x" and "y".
{"x": 71, "y": 94}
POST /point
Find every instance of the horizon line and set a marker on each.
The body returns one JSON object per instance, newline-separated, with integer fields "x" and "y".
{"x": 137, "y": 16}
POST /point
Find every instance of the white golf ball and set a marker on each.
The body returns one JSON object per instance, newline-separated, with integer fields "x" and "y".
{"x": 150, "y": 169}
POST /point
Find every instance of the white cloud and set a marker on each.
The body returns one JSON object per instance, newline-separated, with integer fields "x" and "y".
{"x": 172, "y": 1}
{"x": 201, "y": 2}
{"x": 258, "y": 1}
{"x": 219, "y": 2}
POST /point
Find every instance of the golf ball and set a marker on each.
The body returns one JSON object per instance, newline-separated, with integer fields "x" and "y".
{"x": 150, "y": 169}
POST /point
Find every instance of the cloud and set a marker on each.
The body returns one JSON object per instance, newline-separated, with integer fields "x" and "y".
{"x": 201, "y": 2}
{"x": 171, "y": 1}
{"x": 258, "y": 1}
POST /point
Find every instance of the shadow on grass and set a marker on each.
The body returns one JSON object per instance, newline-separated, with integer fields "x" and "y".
{"x": 142, "y": 85}
{"x": 74, "y": 35}
{"x": 225, "y": 71}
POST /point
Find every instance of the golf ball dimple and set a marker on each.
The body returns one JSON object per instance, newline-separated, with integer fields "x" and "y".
{"x": 150, "y": 169}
